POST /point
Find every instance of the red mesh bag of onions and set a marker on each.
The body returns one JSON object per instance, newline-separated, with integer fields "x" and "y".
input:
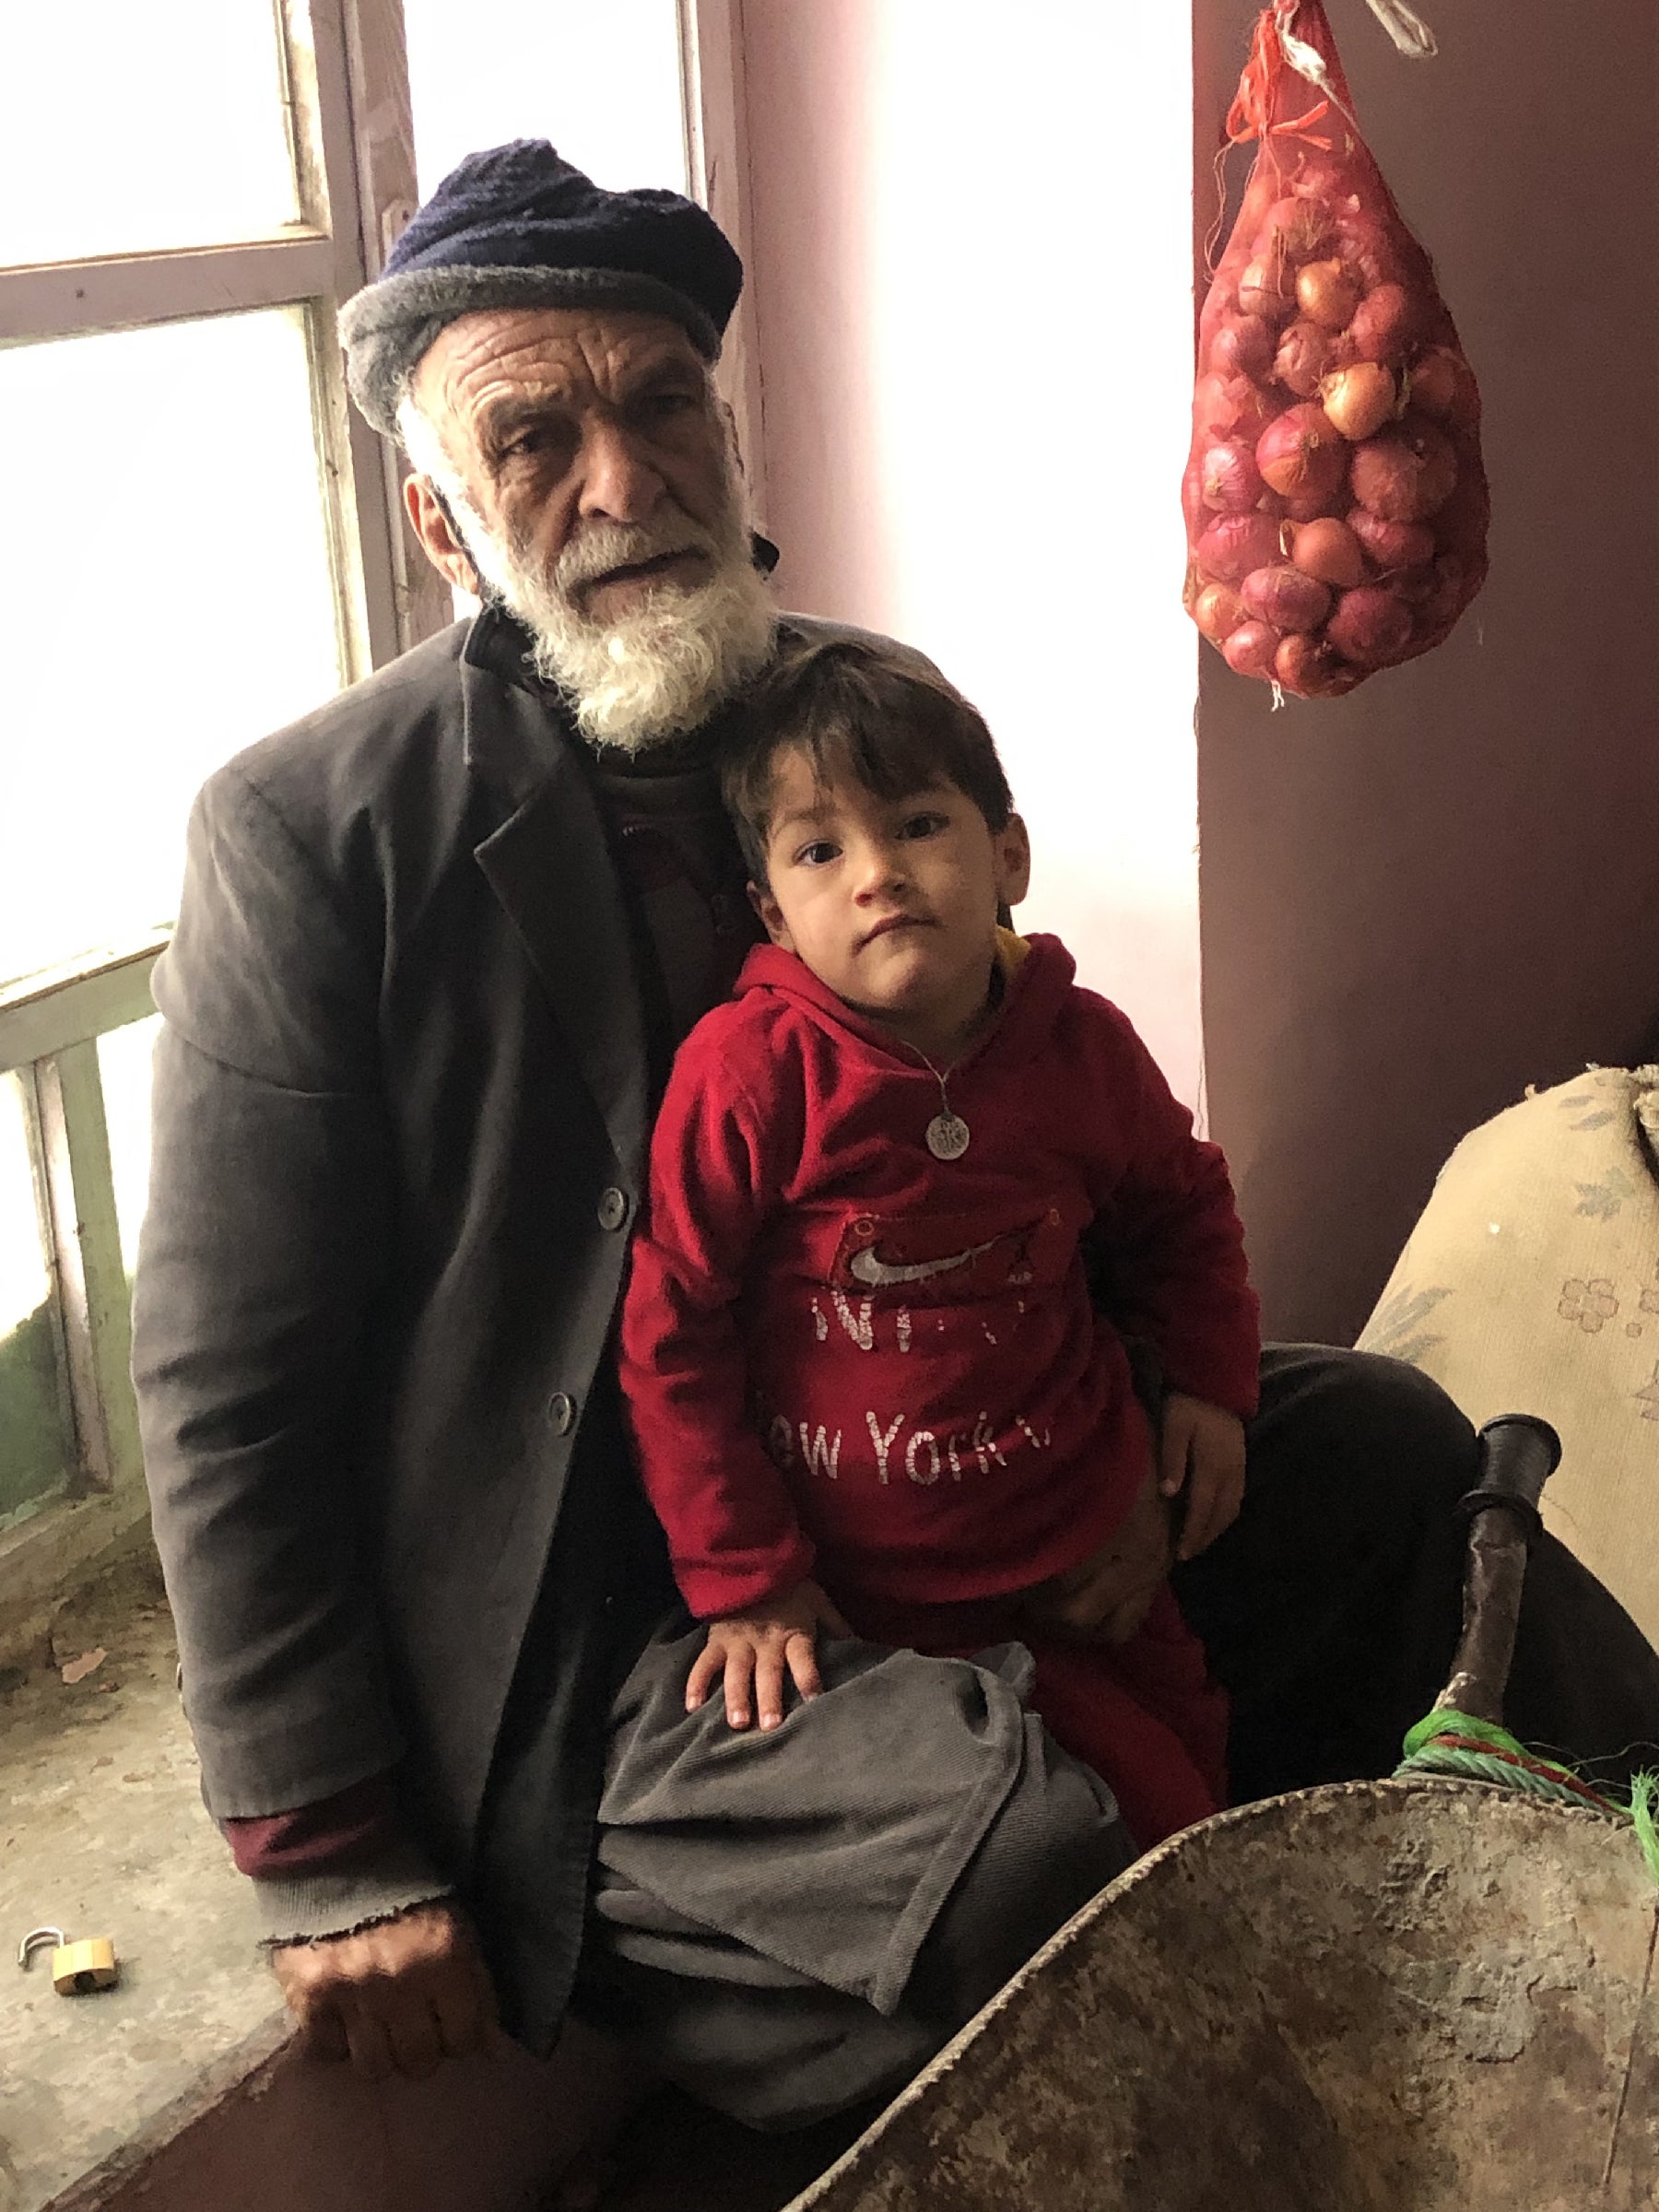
{"x": 1335, "y": 502}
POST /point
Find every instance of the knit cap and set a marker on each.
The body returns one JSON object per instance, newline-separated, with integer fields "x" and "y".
{"x": 518, "y": 225}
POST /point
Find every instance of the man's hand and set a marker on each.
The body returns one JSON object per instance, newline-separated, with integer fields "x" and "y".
{"x": 1105, "y": 1597}
{"x": 751, "y": 1651}
{"x": 1202, "y": 1450}
{"x": 397, "y": 1997}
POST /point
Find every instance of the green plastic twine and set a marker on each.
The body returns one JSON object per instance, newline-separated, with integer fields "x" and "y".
{"x": 1644, "y": 1791}
{"x": 1507, "y": 1763}
{"x": 1445, "y": 1720}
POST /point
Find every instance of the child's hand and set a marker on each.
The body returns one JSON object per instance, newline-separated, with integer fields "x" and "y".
{"x": 752, "y": 1650}
{"x": 1202, "y": 1450}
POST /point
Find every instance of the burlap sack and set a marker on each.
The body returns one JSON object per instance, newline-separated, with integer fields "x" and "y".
{"x": 1531, "y": 1284}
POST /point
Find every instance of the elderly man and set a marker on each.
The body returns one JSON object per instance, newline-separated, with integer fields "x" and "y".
{"x": 436, "y": 947}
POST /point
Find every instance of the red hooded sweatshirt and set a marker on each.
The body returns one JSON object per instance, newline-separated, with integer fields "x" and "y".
{"x": 847, "y": 1359}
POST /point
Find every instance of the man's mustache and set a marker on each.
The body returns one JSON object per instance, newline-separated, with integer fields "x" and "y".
{"x": 605, "y": 547}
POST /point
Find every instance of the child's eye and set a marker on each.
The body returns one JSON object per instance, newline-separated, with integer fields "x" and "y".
{"x": 923, "y": 825}
{"x": 815, "y": 854}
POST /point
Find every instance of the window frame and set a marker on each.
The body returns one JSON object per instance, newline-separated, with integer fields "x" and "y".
{"x": 345, "y": 93}
{"x": 346, "y": 99}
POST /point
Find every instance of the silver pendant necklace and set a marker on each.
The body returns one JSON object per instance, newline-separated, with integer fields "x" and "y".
{"x": 948, "y": 1134}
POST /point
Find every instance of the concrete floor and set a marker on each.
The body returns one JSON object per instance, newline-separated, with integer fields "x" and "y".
{"x": 102, "y": 1832}
{"x": 174, "y": 2091}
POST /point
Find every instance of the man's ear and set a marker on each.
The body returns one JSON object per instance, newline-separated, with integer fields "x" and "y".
{"x": 1013, "y": 861}
{"x": 771, "y": 915}
{"x": 432, "y": 523}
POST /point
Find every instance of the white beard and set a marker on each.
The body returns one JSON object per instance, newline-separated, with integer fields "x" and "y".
{"x": 666, "y": 665}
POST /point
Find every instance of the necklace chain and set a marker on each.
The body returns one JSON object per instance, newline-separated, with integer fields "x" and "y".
{"x": 947, "y": 1133}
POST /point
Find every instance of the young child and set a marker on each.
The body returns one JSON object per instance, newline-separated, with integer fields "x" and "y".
{"x": 868, "y": 1385}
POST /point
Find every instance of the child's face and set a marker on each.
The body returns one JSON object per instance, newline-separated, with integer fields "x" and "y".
{"x": 892, "y": 902}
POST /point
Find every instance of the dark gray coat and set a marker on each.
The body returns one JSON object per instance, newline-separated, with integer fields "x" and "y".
{"x": 400, "y": 1123}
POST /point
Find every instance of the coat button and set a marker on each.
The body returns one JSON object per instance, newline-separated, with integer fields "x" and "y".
{"x": 561, "y": 1412}
{"x": 613, "y": 1208}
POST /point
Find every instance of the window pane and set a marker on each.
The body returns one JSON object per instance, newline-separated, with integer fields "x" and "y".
{"x": 562, "y": 49}
{"x": 35, "y": 1447}
{"x": 124, "y": 128}
{"x": 166, "y": 599}
{"x": 123, "y": 1063}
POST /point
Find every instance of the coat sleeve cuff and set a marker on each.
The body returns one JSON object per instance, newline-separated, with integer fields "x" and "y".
{"x": 307, "y": 1908}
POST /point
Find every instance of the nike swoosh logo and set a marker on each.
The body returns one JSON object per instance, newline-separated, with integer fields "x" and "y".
{"x": 864, "y": 1268}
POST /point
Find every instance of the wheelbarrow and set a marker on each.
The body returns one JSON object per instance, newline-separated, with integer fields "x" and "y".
{"x": 1389, "y": 1997}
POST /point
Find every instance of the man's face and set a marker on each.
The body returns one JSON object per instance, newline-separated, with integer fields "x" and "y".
{"x": 560, "y": 419}
{"x": 893, "y": 902}
{"x": 589, "y": 472}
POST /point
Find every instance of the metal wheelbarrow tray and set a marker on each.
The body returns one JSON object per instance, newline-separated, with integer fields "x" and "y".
{"x": 1390, "y": 1997}
{"x": 1413, "y": 1995}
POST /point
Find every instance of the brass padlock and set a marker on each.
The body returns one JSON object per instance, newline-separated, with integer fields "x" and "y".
{"x": 76, "y": 1967}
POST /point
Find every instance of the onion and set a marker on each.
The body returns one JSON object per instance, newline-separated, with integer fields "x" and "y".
{"x": 1370, "y": 626}
{"x": 1332, "y": 182}
{"x": 1367, "y": 249}
{"x": 1461, "y": 525}
{"x": 1330, "y": 551}
{"x": 1386, "y": 324}
{"x": 1311, "y": 670}
{"x": 1234, "y": 543}
{"x": 1309, "y": 506}
{"x": 1285, "y": 597}
{"x": 1300, "y": 454}
{"x": 1232, "y": 480}
{"x": 1443, "y": 386}
{"x": 1304, "y": 355}
{"x": 1326, "y": 294}
{"x": 1412, "y": 585}
{"x": 1404, "y": 476}
{"x": 1242, "y": 346}
{"x": 1455, "y": 585}
{"x": 1267, "y": 289}
{"x": 1360, "y": 399}
{"x": 1293, "y": 230}
{"x": 1392, "y": 546}
{"x": 1216, "y": 610}
{"x": 1251, "y": 648}
{"x": 1230, "y": 406}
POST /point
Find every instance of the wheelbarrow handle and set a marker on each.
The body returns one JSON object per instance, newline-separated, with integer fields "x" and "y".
{"x": 1518, "y": 1454}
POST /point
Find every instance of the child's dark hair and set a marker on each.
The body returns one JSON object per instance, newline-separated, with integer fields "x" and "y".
{"x": 864, "y": 711}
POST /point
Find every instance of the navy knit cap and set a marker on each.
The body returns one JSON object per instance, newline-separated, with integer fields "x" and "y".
{"x": 518, "y": 227}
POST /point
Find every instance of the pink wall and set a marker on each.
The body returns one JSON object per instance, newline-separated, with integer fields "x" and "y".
{"x": 1421, "y": 898}
{"x": 970, "y": 265}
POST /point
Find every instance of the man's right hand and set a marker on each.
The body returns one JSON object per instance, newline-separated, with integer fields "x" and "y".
{"x": 397, "y": 1997}
{"x": 1105, "y": 1597}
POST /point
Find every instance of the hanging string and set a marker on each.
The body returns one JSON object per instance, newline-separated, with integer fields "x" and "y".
{"x": 1307, "y": 61}
{"x": 1407, "y": 29}
{"x": 1251, "y": 114}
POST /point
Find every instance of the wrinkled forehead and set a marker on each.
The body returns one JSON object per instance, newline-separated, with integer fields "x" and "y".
{"x": 568, "y": 357}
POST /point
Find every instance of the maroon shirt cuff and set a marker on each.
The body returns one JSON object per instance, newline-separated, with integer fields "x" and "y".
{"x": 333, "y": 1836}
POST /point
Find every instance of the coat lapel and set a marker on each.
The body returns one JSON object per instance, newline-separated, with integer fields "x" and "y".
{"x": 549, "y": 864}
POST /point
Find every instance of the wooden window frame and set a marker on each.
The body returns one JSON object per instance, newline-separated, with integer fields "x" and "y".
{"x": 714, "y": 96}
